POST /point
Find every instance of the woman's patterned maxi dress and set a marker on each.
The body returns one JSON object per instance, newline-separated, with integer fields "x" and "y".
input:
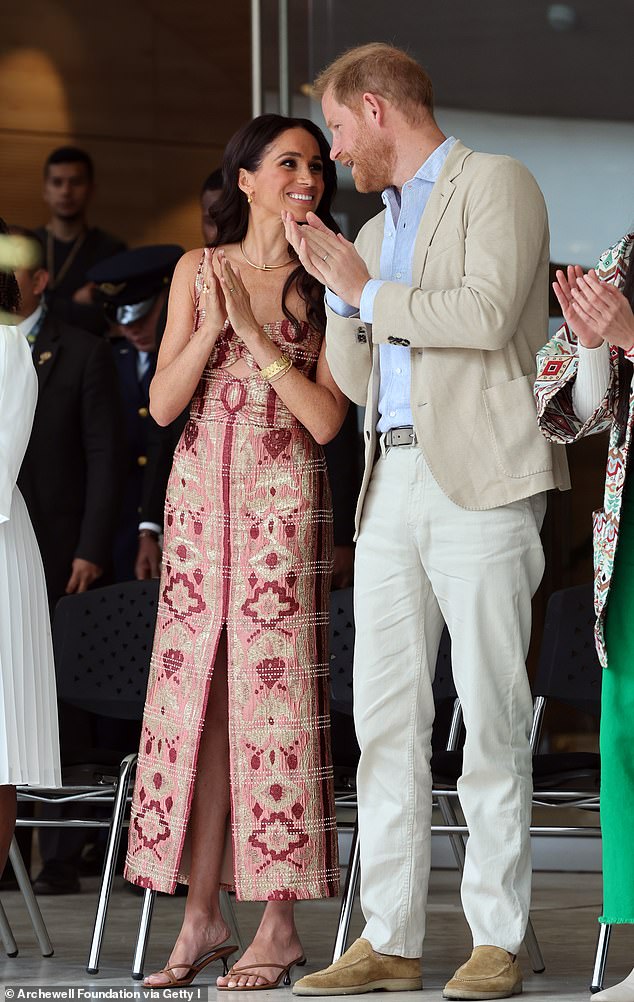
{"x": 248, "y": 546}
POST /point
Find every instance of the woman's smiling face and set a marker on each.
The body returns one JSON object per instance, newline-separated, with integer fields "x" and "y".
{"x": 290, "y": 177}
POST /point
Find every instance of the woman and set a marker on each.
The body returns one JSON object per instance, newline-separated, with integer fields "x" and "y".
{"x": 584, "y": 382}
{"x": 29, "y": 742}
{"x": 236, "y": 721}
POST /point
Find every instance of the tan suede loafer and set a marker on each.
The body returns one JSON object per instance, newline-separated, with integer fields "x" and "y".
{"x": 361, "y": 970}
{"x": 488, "y": 974}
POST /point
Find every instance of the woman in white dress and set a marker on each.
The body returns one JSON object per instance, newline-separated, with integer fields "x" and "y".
{"x": 29, "y": 741}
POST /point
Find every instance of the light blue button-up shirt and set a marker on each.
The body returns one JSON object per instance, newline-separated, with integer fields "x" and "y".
{"x": 402, "y": 221}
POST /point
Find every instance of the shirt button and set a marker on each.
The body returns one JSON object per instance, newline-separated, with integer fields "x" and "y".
{"x": 398, "y": 274}
{"x": 398, "y": 371}
{"x": 392, "y": 413}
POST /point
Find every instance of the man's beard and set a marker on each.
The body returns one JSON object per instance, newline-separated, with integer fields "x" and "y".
{"x": 373, "y": 163}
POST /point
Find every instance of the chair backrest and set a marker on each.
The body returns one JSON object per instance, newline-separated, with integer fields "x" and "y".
{"x": 103, "y": 643}
{"x": 569, "y": 668}
{"x": 444, "y": 688}
{"x": 341, "y": 648}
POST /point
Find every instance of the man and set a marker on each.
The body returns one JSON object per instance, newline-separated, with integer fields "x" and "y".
{"x": 434, "y": 318}
{"x": 69, "y": 480}
{"x": 72, "y": 246}
{"x": 69, "y": 474}
{"x": 133, "y": 287}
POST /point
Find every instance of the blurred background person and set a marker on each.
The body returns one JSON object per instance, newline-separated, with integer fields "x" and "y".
{"x": 70, "y": 473}
{"x": 209, "y": 197}
{"x": 71, "y": 245}
{"x": 133, "y": 287}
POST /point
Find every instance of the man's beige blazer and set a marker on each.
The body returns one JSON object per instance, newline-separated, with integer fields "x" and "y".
{"x": 473, "y": 319}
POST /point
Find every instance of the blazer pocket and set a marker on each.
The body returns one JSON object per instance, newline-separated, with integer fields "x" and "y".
{"x": 520, "y": 448}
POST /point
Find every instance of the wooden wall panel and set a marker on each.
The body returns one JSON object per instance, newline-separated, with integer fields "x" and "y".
{"x": 151, "y": 89}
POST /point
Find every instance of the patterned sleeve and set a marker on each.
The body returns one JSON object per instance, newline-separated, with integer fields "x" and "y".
{"x": 557, "y": 365}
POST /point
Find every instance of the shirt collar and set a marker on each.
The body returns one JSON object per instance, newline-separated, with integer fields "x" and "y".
{"x": 428, "y": 171}
{"x": 26, "y": 326}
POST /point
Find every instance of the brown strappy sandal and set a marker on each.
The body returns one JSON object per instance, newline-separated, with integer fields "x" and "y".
{"x": 216, "y": 953}
{"x": 285, "y": 972}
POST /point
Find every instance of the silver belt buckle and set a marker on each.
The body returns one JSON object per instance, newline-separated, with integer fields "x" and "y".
{"x": 401, "y": 436}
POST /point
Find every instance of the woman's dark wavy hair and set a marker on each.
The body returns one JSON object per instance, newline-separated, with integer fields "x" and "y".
{"x": 246, "y": 149}
{"x": 622, "y": 408}
{"x": 9, "y": 291}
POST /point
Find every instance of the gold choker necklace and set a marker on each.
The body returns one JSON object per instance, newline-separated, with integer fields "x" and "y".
{"x": 262, "y": 267}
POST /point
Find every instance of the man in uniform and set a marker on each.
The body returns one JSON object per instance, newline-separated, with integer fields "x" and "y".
{"x": 133, "y": 287}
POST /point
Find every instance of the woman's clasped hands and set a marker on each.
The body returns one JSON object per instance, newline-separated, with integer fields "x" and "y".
{"x": 596, "y": 311}
{"x": 224, "y": 295}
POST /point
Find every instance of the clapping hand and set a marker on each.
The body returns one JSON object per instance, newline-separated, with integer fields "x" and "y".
{"x": 237, "y": 298}
{"x": 212, "y": 300}
{"x": 596, "y": 311}
{"x": 328, "y": 257}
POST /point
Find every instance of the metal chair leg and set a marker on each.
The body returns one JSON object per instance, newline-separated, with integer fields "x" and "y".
{"x": 347, "y": 901}
{"x": 112, "y": 848}
{"x": 533, "y": 949}
{"x": 450, "y": 818}
{"x": 229, "y": 915}
{"x": 32, "y": 907}
{"x": 143, "y": 935}
{"x": 6, "y": 935}
{"x": 600, "y": 957}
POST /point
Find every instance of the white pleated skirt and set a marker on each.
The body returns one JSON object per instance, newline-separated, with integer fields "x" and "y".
{"x": 29, "y": 739}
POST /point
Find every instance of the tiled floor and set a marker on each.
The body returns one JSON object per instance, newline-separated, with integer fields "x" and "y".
{"x": 565, "y": 908}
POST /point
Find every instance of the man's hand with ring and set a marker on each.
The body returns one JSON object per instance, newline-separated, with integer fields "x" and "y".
{"x": 328, "y": 257}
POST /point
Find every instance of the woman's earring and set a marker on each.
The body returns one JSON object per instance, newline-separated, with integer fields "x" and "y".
{"x": 249, "y": 198}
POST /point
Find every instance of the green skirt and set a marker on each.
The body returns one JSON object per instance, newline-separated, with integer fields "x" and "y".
{"x": 617, "y": 730}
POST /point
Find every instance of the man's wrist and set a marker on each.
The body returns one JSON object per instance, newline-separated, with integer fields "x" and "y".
{"x": 149, "y": 534}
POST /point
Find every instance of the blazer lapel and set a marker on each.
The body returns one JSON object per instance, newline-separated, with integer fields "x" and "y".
{"x": 45, "y": 352}
{"x": 440, "y": 197}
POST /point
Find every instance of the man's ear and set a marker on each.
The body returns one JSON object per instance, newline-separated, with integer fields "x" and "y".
{"x": 373, "y": 108}
{"x": 40, "y": 281}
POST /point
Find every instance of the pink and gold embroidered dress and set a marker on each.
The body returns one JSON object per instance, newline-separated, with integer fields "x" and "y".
{"x": 248, "y": 547}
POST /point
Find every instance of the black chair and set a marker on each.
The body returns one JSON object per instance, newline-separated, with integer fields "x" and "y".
{"x": 103, "y": 642}
{"x": 446, "y": 761}
{"x": 569, "y": 673}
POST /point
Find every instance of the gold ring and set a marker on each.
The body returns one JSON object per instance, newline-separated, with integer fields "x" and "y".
{"x": 231, "y": 290}
{"x": 325, "y": 257}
